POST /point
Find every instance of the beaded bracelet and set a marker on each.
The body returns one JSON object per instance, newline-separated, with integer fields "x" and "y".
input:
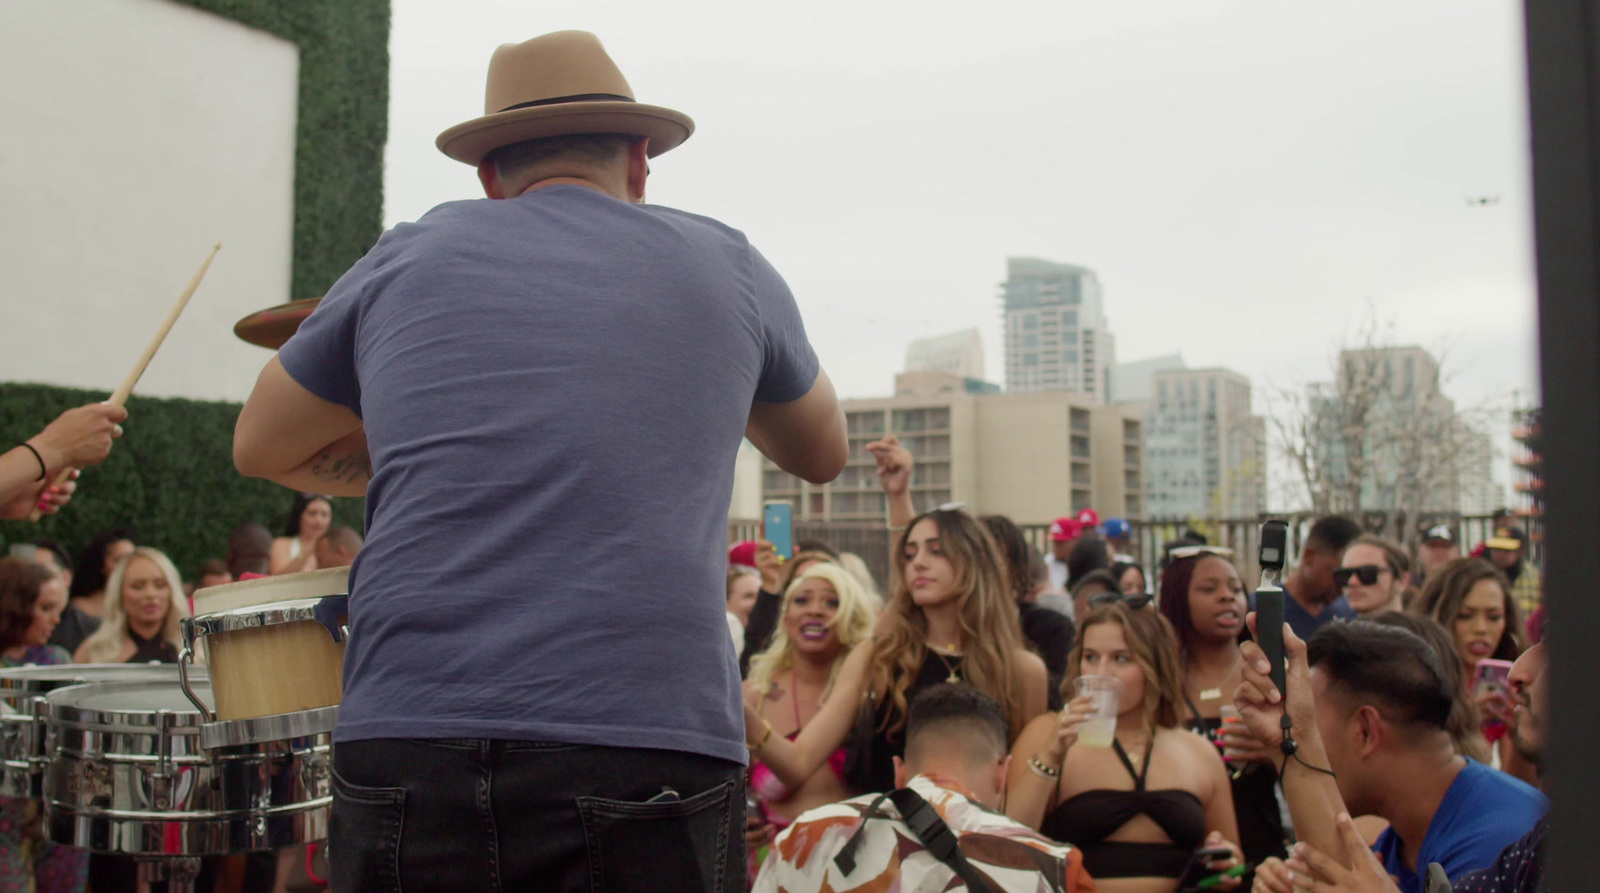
{"x": 1045, "y": 772}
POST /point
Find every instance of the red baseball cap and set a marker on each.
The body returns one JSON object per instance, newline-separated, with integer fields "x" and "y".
{"x": 1065, "y": 529}
{"x": 1089, "y": 518}
{"x": 743, "y": 552}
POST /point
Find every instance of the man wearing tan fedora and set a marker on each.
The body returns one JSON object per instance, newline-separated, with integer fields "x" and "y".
{"x": 541, "y": 396}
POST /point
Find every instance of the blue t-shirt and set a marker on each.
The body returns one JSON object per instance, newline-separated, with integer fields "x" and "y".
{"x": 1484, "y": 812}
{"x": 554, "y": 388}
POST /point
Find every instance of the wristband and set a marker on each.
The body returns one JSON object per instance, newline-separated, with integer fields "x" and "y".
{"x": 42, "y": 469}
{"x": 1042, "y": 770}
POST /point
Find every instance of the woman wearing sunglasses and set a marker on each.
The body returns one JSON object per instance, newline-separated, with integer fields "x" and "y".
{"x": 1373, "y": 576}
{"x": 1203, "y": 598}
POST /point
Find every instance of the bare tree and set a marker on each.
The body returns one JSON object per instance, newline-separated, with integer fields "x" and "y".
{"x": 1381, "y": 441}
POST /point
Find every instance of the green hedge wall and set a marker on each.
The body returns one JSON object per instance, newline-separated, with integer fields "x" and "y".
{"x": 170, "y": 477}
{"x": 343, "y": 125}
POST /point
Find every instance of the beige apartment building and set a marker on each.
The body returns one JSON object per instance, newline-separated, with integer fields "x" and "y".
{"x": 1031, "y": 456}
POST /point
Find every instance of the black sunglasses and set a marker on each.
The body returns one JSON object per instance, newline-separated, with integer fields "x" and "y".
{"x": 1366, "y": 573}
{"x": 1134, "y": 602}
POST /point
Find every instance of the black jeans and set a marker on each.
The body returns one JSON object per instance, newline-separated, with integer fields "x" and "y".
{"x": 476, "y": 814}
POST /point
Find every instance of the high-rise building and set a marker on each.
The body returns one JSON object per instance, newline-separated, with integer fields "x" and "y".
{"x": 1205, "y": 452}
{"x": 1411, "y": 441}
{"x": 1480, "y": 493}
{"x": 1134, "y": 382}
{"x": 958, "y": 353}
{"x": 1527, "y": 476}
{"x": 1032, "y": 457}
{"x": 1056, "y": 334}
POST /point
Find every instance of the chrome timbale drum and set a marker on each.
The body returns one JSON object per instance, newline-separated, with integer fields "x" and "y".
{"x": 23, "y": 714}
{"x": 128, "y": 776}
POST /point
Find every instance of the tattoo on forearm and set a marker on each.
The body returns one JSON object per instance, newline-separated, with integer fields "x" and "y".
{"x": 350, "y": 467}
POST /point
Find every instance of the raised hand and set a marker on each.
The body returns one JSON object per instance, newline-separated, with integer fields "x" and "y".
{"x": 1260, "y": 704}
{"x": 894, "y": 464}
{"x": 1316, "y": 871}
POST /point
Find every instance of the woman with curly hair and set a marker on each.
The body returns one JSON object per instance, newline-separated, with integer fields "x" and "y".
{"x": 1140, "y": 808}
{"x": 950, "y": 618}
{"x": 143, "y": 610}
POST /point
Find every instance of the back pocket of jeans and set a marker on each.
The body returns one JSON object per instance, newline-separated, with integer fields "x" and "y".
{"x": 364, "y": 838}
{"x": 660, "y": 845}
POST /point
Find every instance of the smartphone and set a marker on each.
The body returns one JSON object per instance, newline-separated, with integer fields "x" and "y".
{"x": 1438, "y": 881}
{"x": 777, "y": 525}
{"x": 1196, "y": 871}
{"x": 1490, "y": 677}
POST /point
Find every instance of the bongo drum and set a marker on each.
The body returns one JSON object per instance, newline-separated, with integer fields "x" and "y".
{"x": 128, "y": 776}
{"x": 275, "y": 655}
{"x": 23, "y": 718}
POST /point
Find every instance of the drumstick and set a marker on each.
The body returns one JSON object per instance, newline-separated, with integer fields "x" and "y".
{"x": 120, "y": 395}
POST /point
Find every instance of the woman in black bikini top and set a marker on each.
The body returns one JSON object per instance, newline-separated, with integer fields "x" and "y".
{"x": 1140, "y": 808}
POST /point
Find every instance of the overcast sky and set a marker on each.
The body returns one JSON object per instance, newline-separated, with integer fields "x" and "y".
{"x": 1247, "y": 178}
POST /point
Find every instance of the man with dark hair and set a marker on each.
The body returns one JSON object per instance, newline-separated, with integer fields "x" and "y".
{"x": 953, "y": 775}
{"x": 1518, "y": 868}
{"x": 1089, "y": 554}
{"x": 338, "y": 547}
{"x": 545, "y": 391}
{"x": 1368, "y": 706}
{"x": 249, "y": 550}
{"x": 1314, "y": 598}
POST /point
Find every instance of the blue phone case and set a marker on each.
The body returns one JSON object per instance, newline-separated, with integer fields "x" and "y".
{"x": 778, "y": 521}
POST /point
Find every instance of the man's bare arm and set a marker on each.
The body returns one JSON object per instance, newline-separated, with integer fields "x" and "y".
{"x": 805, "y": 437}
{"x": 290, "y": 436}
{"x": 340, "y": 469}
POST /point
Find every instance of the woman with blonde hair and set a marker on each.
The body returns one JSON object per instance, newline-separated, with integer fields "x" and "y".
{"x": 950, "y": 618}
{"x": 144, "y": 605}
{"x": 825, "y": 614}
{"x": 1139, "y": 809}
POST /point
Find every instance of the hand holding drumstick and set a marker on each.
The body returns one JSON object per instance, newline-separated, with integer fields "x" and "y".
{"x": 77, "y": 438}
{"x": 62, "y": 484}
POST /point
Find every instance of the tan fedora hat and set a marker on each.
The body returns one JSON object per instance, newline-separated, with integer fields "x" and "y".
{"x": 554, "y": 85}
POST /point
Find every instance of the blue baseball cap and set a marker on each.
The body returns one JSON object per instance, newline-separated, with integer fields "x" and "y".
{"x": 1117, "y": 528}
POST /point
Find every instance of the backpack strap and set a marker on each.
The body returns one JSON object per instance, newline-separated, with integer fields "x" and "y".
{"x": 925, "y": 823}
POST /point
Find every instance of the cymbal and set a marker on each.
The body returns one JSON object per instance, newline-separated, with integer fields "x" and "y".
{"x": 273, "y": 326}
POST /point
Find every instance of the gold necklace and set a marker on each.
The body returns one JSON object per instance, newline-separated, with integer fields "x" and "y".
{"x": 955, "y": 675}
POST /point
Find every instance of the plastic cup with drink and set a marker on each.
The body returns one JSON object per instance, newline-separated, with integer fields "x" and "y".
{"x": 1105, "y": 692}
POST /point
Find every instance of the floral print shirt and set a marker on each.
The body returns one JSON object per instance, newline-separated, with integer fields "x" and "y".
{"x": 891, "y": 858}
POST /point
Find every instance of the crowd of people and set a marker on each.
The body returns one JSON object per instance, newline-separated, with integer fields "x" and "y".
{"x": 510, "y": 376}
{"x": 1398, "y": 720}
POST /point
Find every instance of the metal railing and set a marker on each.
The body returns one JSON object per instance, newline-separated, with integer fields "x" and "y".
{"x": 872, "y": 541}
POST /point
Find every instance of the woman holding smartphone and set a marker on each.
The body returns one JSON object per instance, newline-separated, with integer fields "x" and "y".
{"x": 1146, "y": 808}
{"x": 1472, "y": 600}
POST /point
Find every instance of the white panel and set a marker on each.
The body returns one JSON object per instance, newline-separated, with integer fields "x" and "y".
{"x": 134, "y": 134}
